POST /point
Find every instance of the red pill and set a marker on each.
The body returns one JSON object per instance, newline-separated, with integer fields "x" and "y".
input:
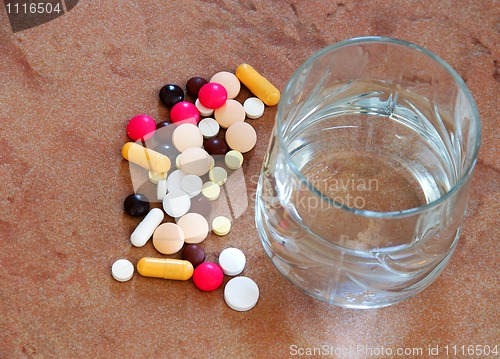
{"x": 208, "y": 276}
{"x": 141, "y": 127}
{"x": 212, "y": 95}
{"x": 184, "y": 112}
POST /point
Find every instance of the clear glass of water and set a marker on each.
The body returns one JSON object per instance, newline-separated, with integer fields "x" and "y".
{"x": 364, "y": 188}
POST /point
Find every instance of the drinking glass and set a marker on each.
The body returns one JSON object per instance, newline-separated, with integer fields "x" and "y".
{"x": 364, "y": 187}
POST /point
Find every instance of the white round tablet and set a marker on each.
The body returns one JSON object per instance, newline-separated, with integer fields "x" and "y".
{"x": 254, "y": 107}
{"x": 192, "y": 185}
{"x": 232, "y": 261}
{"x": 176, "y": 204}
{"x": 122, "y": 270}
{"x": 204, "y": 111}
{"x": 241, "y": 294}
{"x": 209, "y": 127}
{"x": 174, "y": 181}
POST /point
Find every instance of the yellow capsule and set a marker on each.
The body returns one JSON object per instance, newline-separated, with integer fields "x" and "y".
{"x": 166, "y": 268}
{"x": 258, "y": 84}
{"x": 146, "y": 158}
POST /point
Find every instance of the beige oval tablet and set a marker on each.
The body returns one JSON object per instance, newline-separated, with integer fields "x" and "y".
{"x": 230, "y": 82}
{"x": 168, "y": 238}
{"x": 231, "y": 112}
{"x": 210, "y": 190}
{"x": 241, "y": 136}
{"x": 195, "y": 161}
{"x": 195, "y": 227}
{"x": 187, "y": 135}
{"x": 233, "y": 159}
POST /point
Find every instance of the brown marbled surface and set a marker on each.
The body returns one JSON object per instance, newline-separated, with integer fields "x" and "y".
{"x": 67, "y": 89}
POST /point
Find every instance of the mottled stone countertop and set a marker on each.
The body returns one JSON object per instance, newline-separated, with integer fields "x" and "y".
{"x": 67, "y": 89}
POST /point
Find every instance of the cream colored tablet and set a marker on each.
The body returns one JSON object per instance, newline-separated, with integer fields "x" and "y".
{"x": 187, "y": 135}
{"x": 168, "y": 238}
{"x": 231, "y": 112}
{"x": 241, "y": 137}
{"x": 211, "y": 190}
{"x": 254, "y": 108}
{"x": 218, "y": 175}
{"x": 209, "y": 127}
{"x": 195, "y": 227}
{"x": 195, "y": 161}
{"x": 229, "y": 81}
{"x": 233, "y": 160}
{"x": 204, "y": 111}
{"x": 221, "y": 225}
{"x": 178, "y": 162}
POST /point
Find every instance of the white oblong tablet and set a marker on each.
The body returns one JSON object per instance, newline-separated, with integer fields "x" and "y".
{"x": 122, "y": 270}
{"x": 161, "y": 189}
{"x": 204, "y": 111}
{"x": 174, "y": 181}
{"x": 192, "y": 185}
{"x": 209, "y": 127}
{"x": 232, "y": 261}
{"x": 187, "y": 135}
{"x": 254, "y": 107}
{"x": 241, "y": 294}
{"x": 146, "y": 227}
{"x": 176, "y": 204}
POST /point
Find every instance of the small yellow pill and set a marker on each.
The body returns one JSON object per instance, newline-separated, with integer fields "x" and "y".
{"x": 166, "y": 268}
{"x": 258, "y": 84}
{"x": 210, "y": 190}
{"x": 221, "y": 225}
{"x": 146, "y": 158}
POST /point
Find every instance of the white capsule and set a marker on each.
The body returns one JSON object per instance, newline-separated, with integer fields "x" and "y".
{"x": 146, "y": 228}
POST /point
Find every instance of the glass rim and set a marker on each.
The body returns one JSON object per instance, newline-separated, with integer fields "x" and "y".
{"x": 390, "y": 214}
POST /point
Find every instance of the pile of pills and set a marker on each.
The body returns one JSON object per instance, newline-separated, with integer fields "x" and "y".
{"x": 192, "y": 157}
